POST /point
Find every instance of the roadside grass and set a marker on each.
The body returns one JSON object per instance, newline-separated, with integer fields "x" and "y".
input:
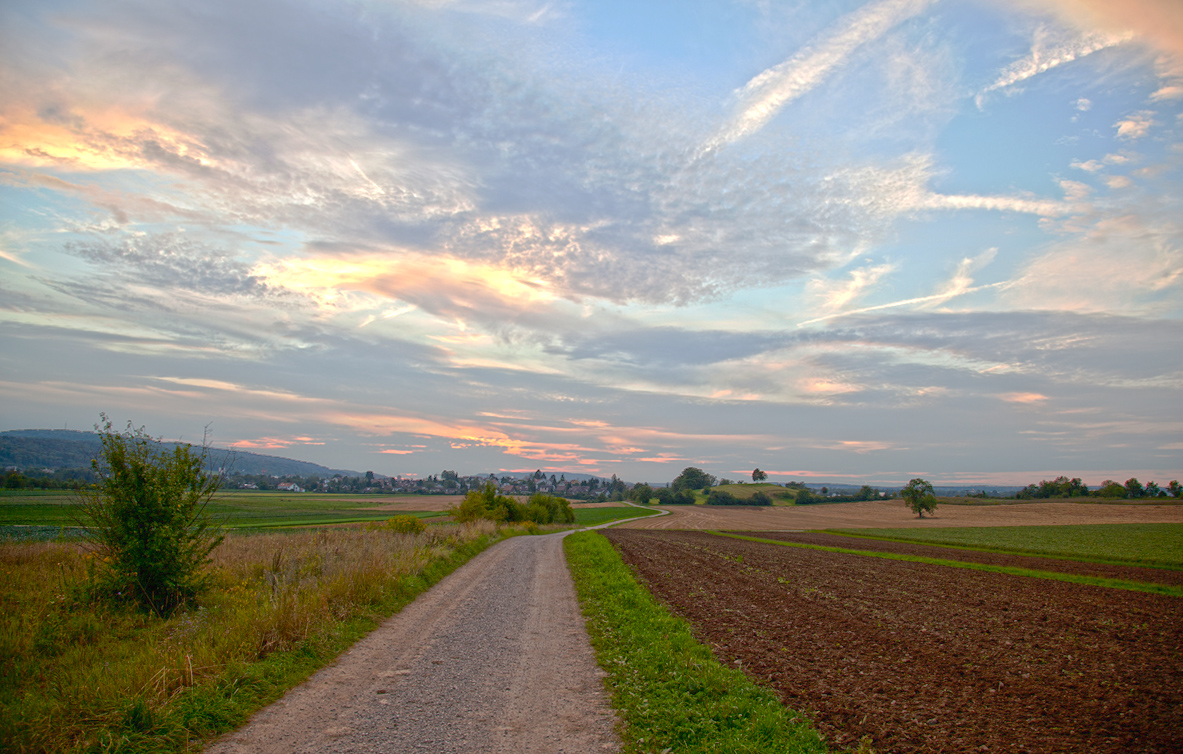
{"x": 84, "y": 676}
{"x": 1134, "y": 586}
{"x": 1156, "y": 545}
{"x": 669, "y": 690}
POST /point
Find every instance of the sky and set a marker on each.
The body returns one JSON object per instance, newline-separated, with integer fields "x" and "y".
{"x": 846, "y": 241}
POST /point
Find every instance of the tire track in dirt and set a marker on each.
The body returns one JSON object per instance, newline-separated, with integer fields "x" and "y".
{"x": 494, "y": 658}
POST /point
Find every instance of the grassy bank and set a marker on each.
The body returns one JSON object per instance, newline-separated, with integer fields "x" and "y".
{"x": 1159, "y": 545}
{"x": 82, "y": 676}
{"x": 669, "y": 690}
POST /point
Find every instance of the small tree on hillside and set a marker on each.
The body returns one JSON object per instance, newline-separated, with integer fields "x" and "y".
{"x": 759, "y": 476}
{"x": 919, "y": 496}
{"x": 692, "y": 478}
{"x": 147, "y": 518}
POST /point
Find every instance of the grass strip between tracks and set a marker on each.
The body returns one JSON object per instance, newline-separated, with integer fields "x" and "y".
{"x": 1142, "y": 545}
{"x": 1133, "y": 586}
{"x": 670, "y": 691}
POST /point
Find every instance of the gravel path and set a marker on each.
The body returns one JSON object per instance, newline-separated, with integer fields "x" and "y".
{"x": 494, "y": 658}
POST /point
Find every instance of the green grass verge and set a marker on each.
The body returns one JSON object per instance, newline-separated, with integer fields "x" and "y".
{"x": 1157, "y": 545}
{"x": 669, "y": 690}
{"x": 1133, "y": 586}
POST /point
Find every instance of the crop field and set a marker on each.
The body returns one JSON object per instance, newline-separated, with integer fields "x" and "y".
{"x": 878, "y": 514}
{"x": 235, "y": 509}
{"x": 919, "y": 657}
{"x": 262, "y": 510}
{"x": 1147, "y": 544}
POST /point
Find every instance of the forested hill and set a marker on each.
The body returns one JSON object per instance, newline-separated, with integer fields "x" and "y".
{"x": 72, "y": 449}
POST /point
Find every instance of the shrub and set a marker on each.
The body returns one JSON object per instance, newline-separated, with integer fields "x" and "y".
{"x": 487, "y": 504}
{"x": 760, "y": 498}
{"x": 148, "y": 519}
{"x": 400, "y": 525}
{"x": 719, "y": 497}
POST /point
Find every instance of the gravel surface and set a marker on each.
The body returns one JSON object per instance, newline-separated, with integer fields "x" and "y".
{"x": 494, "y": 658}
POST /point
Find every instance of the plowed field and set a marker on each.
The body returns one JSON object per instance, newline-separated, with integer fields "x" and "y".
{"x": 929, "y": 658}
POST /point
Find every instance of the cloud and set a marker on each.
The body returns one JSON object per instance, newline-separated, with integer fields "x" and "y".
{"x": 767, "y": 93}
{"x": 1134, "y": 126}
{"x": 836, "y": 294}
{"x": 1049, "y": 50}
{"x": 1160, "y": 22}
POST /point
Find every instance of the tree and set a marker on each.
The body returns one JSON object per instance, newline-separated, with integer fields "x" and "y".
{"x": 148, "y": 520}
{"x": 1110, "y": 488}
{"x": 692, "y": 478}
{"x": 758, "y": 476}
{"x": 640, "y": 493}
{"x": 1174, "y": 488}
{"x": 1134, "y": 489}
{"x": 919, "y": 496}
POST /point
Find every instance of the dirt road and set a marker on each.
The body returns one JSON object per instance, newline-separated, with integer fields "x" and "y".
{"x": 893, "y": 514}
{"x": 494, "y": 658}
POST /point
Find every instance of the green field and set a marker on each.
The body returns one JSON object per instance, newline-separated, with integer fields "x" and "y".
{"x": 779, "y": 495}
{"x": 596, "y": 516}
{"x": 246, "y": 510}
{"x": 1158, "y": 545}
{"x": 233, "y": 509}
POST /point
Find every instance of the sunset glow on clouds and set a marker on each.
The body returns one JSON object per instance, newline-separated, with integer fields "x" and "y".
{"x": 857, "y": 241}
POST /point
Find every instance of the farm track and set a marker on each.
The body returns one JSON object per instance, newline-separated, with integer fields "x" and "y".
{"x": 1034, "y": 562}
{"x": 928, "y": 658}
{"x": 493, "y": 659}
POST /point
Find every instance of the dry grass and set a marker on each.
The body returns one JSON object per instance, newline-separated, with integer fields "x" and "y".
{"x": 79, "y": 675}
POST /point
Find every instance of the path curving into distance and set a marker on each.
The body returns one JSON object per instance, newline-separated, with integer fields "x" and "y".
{"x": 494, "y": 658}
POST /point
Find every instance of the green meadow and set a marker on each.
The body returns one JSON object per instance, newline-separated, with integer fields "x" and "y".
{"x": 50, "y": 511}
{"x": 1158, "y": 545}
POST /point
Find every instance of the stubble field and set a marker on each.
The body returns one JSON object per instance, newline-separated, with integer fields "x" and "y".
{"x": 915, "y": 657}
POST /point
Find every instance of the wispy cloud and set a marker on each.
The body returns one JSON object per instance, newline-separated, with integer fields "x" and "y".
{"x": 766, "y": 94}
{"x": 1050, "y": 50}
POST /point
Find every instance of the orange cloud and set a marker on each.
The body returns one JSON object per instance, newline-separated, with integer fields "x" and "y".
{"x": 96, "y": 139}
{"x": 1023, "y": 397}
{"x": 1160, "y": 22}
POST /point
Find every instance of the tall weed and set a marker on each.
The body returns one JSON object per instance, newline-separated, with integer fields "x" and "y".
{"x": 84, "y": 675}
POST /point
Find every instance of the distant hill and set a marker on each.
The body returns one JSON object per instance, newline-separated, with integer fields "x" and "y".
{"x": 73, "y": 449}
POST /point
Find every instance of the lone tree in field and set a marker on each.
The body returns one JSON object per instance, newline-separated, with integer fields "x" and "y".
{"x": 147, "y": 518}
{"x": 759, "y": 476}
{"x": 919, "y": 496}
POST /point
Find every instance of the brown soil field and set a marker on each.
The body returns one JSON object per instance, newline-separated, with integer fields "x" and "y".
{"x": 913, "y": 657}
{"x": 893, "y": 514}
{"x": 1059, "y": 565}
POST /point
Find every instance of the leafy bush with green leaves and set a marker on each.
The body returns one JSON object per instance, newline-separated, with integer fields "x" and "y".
{"x": 400, "y": 525}
{"x": 666, "y": 496}
{"x": 486, "y": 503}
{"x": 148, "y": 521}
